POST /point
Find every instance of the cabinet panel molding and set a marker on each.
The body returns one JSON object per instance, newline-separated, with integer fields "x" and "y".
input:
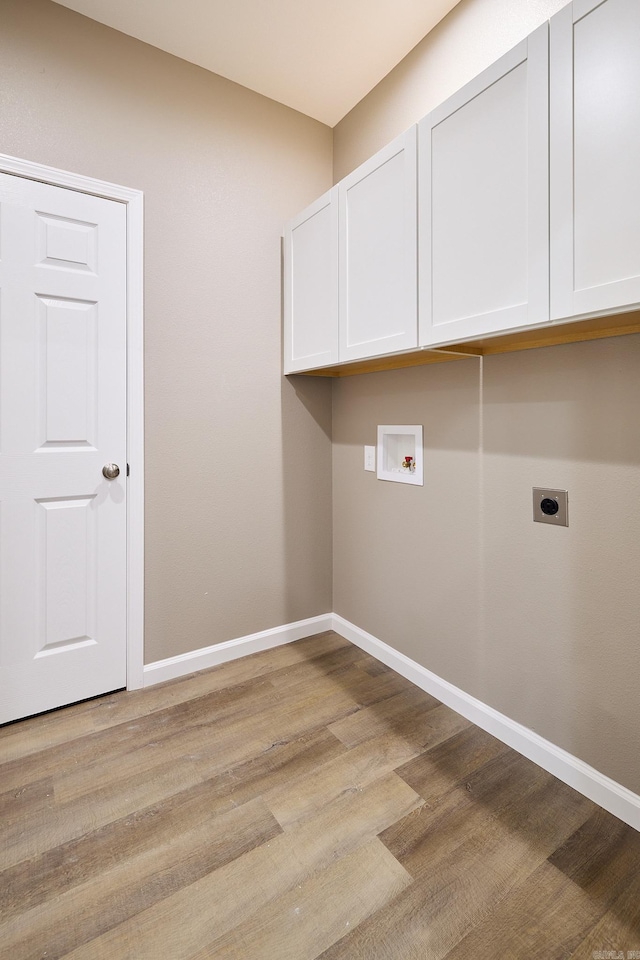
{"x": 311, "y": 286}
{"x": 378, "y": 253}
{"x": 595, "y": 157}
{"x": 483, "y": 189}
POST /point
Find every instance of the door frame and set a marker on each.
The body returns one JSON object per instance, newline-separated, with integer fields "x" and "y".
{"x": 135, "y": 385}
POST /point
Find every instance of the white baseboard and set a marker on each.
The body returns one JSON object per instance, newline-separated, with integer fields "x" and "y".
{"x": 615, "y": 798}
{"x": 186, "y": 663}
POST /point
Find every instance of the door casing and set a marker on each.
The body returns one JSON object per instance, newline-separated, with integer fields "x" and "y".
{"x": 135, "y": 385}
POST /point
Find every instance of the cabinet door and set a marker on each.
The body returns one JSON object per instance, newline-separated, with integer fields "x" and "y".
{"x": 378, "y": 251}
{"x": 311, "y": 286}
{"x": 483, "y": 186}
{"x": 595, "y": 157}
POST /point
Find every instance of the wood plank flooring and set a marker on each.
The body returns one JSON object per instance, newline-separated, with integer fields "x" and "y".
{"x": 302, "y": 803}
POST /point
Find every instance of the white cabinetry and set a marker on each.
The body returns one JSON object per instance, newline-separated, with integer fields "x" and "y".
{"x": 483, "y": 221}
{"x": 595, "y": 157}
{"x": 378, "y": 253}
{"x": 528, "y": 211}
{"x": 311, "y": 286}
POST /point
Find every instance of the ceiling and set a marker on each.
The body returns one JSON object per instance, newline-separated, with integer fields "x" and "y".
{"x": 318, "y": 56}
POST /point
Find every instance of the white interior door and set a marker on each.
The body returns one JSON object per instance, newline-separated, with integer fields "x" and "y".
{"x": 62, "y": 418}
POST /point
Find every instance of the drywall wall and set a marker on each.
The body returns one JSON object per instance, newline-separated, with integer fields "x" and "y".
{"x": 541, "y": 623}
{"x": 407, "y": 558}
{"x": 238, "y": 484}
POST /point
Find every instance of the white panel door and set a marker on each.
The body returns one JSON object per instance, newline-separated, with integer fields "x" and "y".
{"x": 311, "y": 286}
{"x": 378, "y": 253}
{"x": 595, "y": 157}
{"x": 62, "y": 418}
{"x": 483, "y": 179}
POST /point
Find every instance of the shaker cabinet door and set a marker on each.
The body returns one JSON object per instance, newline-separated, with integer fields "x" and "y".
{"x": 595, "y": 157}
{"x": 311, "y": 286}
{"x": 483, "y": 188}
{"x": 378, "y": 257}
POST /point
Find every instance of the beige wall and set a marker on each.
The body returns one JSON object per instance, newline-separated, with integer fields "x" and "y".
{"x": 238, "y": 460}
{"x": 407, "y": 558}
{"x": 541, "y": 623}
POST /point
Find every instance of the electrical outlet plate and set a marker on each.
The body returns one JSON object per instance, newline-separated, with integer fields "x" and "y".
{"x": 370, "y": 458}
{"x": 547, "y": 497}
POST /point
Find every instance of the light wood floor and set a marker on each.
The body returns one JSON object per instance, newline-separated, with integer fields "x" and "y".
{"x": 304, "y": 802}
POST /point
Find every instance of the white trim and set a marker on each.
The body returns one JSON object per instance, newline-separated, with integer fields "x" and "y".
{"x": 615, "y": 798}
{"x": 206, "y": 657}
{"x": 135, "y": 385}
{"x": 135, "y": 441}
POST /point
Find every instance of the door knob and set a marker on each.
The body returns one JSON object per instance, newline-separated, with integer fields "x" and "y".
{"x": 110, "y": 471}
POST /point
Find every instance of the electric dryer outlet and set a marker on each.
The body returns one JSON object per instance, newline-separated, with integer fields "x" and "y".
{"x": 551, "y": 506}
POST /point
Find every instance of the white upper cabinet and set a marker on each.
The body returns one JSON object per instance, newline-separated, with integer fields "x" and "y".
{"x": 311, "y": 286}
{"x": 516, "y": 203}
{"x": 483, "y": 215}
{"x": 378, "y": 253}
{"x": 595, "y": 157}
